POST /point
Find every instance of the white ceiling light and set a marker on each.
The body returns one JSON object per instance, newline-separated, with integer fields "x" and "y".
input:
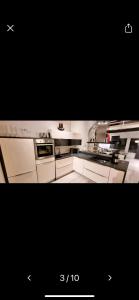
{"x": 137, "y": 141}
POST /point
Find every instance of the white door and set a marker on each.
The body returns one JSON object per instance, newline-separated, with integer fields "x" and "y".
{"x": 30, "y": 177}
{"x": 19, "y": 155}
{"x": 46, "y": 172}
{"x": 2, "y": 179}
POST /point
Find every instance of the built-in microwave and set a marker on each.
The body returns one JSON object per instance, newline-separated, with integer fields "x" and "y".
{"x": 44, "y": 148}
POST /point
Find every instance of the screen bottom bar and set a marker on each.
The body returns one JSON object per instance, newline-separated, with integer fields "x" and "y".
{"x": 69, "y": 296}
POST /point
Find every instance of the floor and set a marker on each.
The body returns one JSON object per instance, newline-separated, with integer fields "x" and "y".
{"x": 132, "y": 175}
{"x": 73, "y": 178}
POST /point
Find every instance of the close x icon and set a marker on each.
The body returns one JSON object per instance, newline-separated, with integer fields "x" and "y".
{"x": 7, "y": 27}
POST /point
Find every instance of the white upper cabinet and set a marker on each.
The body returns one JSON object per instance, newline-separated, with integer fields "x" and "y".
{"x": 80, "y": 131}
{"x": 57, "y": 134}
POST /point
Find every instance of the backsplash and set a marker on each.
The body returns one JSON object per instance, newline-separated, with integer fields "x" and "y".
{"x": 64, "y": 149}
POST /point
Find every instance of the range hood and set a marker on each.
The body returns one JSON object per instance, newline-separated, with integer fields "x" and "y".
{"x": 101, "y": 133}
{"x": 58, "y": 134}
{"x": 98, "y": 132}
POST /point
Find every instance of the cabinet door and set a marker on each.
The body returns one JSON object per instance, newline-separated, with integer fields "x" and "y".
{"x": 57, "y": 134}
{"x": 78, "y": 165}
{"x": 46, "y": 172}
{"x": 18, "y": 155}
{"x": 30, "y": 177}
{"x": 95, "y": 177}
{"x": 116, "y": 176}
{"x": 64, "y": 170}
{"x": 97, "y": 168}
{"x": 64, "y": 162}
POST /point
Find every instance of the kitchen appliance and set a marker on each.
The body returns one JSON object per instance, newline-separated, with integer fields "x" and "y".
{"x": 44, "y": 148}
{"x": 19, "y": 160}
{"x": 115, "y": 158}
{"x": 74, "y": 150}
{"x": 98, "y": 132}
{"x": 101, "y": 133}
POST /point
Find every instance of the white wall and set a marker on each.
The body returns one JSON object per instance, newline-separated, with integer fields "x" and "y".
{"x": 81, "y": 127}
{"x": 33, "y": 127}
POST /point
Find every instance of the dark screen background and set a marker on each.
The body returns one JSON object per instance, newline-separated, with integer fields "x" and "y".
{"x": 68, "y": 61}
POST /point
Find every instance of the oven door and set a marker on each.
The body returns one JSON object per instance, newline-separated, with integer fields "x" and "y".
{"x": 44, "y": 150}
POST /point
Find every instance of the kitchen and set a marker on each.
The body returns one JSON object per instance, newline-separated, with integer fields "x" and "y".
{"x": 69, "y": 151}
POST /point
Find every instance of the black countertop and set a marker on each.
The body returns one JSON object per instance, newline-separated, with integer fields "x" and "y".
{"x": 121, "y": 166}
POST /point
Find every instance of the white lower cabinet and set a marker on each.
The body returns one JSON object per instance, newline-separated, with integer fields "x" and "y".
{"x": 96, "y": 172}
{"x": 97, "y": 168}
{"x": 95, "y": 177}
{"x": 46, "y": 172}
{"x": 116, "y": 176}
{"x": 78, "y": 165}
{"x": 63, "y": 171}
{"x": 64, "y": 162}
{"x": 30, "y": 177}
{"x": 64, "y": 166}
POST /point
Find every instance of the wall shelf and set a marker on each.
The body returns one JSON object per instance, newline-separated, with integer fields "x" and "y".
{"x": 102, "y": 143}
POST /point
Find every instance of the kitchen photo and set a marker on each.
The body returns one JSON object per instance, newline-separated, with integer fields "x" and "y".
{"x": 69, "y": 151}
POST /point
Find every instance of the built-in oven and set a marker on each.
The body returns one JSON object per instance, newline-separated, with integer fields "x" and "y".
{"x": 44, "y": 148}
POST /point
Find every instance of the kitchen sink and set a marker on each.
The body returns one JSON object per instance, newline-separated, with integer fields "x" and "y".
{"x": 99, "y": 160}
{"x": 102, "y": 161}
